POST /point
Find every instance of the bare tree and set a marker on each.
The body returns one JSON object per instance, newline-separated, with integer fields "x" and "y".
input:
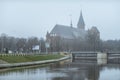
{"x": 93, "y": 39}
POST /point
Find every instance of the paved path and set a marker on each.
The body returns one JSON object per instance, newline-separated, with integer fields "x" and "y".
{"x": 3, "y": 62}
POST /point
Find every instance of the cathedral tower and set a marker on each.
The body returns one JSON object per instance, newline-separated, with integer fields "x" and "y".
{"x": 81, "y": 23}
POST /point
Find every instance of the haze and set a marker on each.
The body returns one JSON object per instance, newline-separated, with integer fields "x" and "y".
{"x": 24, "y": 18}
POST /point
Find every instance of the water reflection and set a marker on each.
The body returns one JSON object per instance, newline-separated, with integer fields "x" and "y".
{"x": 77, "y": 70}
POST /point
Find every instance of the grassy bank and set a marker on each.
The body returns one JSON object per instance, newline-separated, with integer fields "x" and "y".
{"x": 29, "y": 58}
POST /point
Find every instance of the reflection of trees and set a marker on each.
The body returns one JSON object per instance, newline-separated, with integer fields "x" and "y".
{"x": 82, "y": 72}
{"x": 85, "y": 72}
{"x": 59, "y": 78}
{"x": 10, "y": 71}
{"x": 77, "y": 71}
{"x": 93, "y": 72}
{"x": 22, "y": 70}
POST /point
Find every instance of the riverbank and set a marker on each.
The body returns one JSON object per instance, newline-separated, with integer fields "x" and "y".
{"x": 13, "y": 58}
{"x": 35, "y": 62}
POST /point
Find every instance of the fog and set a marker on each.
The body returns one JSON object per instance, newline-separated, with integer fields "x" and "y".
{"x": 24, "y": 18}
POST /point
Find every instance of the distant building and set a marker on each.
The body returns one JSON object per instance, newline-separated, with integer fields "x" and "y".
{"x": 68, "y": 33}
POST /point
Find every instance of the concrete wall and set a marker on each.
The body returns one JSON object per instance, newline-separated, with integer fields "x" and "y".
{"x": 101, "y": 58}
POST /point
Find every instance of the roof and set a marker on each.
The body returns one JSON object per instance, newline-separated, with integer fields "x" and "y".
{"x": 68, "y": 32}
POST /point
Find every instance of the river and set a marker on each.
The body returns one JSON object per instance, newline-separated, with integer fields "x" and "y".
{"x": 65, "y": 70}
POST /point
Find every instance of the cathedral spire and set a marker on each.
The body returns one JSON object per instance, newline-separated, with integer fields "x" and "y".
{"x": 81, "y": 23}
{"x": 71, "y": 21}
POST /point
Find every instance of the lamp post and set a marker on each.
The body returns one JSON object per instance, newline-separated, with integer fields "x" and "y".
{"x": 2, "y": 39}
{"x": 47, "y": 45}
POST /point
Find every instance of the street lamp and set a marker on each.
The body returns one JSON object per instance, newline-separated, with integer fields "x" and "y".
{"x": 47, "y": 45}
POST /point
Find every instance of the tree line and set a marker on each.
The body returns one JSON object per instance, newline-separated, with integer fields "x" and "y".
{"x": 18, "y": 45}
{"x": 57, "y": 44}
{"x": 92, "y": 42}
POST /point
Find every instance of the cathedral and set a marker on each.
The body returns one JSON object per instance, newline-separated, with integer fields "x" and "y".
{"x": 69, "y": 33}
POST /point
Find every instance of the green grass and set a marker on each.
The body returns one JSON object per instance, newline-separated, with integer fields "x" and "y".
{"x": 28, "y": 58}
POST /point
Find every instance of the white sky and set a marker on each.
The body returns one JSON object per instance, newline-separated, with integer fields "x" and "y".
{"x": 26, "y": 18}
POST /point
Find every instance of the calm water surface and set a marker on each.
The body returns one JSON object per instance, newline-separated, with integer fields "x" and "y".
{"x": 65, "y": 71}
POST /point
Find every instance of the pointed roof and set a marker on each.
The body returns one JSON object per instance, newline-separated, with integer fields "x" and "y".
{"x": 81, "y": 23}
{"x": 68, "y": 32}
